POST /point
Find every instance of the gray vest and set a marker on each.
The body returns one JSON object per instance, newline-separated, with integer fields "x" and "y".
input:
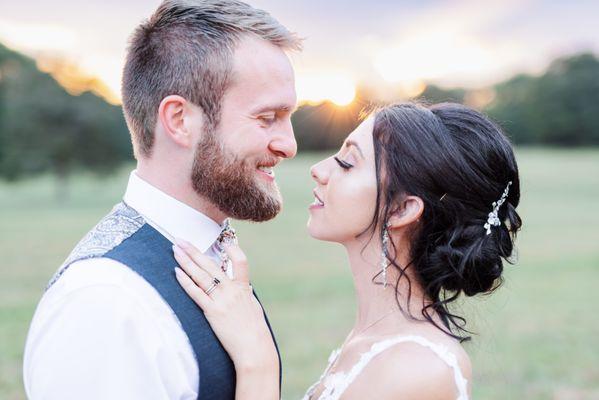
{"x": 124, "y": 236}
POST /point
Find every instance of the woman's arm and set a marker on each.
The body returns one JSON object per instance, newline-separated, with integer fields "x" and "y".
{"x": 257, "y": 382}
{"x": 235, "y": 316}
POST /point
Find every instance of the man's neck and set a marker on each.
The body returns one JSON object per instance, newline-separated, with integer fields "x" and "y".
{"x": 179, "y": 187}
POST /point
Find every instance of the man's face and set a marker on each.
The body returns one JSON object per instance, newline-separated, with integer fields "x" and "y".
{"x": 234, "y": 166}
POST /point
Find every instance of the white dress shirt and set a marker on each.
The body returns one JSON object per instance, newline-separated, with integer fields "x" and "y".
{"x": 103, "y": 332}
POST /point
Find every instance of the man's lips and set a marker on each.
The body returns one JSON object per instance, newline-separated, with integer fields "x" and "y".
{"x": 266, "y": 167}
{"x": 267, "y": 171}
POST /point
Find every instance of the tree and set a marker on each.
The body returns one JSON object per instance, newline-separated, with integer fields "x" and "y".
{"x": 43, "y": 128}
{"x": 324, "y": 126}
{"x": 558, "y": 107}
{"x": 434, "y": 94}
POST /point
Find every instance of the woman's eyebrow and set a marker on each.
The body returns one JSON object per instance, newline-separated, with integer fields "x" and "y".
{"x": 349, "y": 143}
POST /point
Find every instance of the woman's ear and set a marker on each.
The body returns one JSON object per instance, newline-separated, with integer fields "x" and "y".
{"x": 407, "y": 212}
{"x": 172, "y": 112}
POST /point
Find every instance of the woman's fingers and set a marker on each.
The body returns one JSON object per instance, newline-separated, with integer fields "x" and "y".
{"x": 240, "y": 262}
{"x": 233, "y": 312}
{"x": 201, "y": 260}
{"x": 202, "y": 278}
{"x": 196, "y": 293}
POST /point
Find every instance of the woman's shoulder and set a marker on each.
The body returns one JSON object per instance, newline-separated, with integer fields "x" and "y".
{"x": 448, "y": 348}
{"x": 415, "y": 366}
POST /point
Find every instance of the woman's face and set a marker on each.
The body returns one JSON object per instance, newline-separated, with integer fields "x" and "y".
{"x": 345, "y": 193}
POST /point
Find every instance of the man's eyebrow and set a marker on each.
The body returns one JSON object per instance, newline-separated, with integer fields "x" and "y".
{"x": 276, "y": 108}
{"x": 349, "y": 143}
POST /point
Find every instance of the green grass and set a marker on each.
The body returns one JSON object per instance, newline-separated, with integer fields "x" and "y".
{"x": 538, "y": 336}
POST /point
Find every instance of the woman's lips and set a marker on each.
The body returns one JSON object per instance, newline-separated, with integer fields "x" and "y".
{"x": 318, "y": 203}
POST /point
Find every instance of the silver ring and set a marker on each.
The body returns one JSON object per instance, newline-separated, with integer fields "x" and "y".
{"x": 215, "y": 283}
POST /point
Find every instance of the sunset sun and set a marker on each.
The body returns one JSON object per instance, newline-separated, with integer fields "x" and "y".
{"x": 336, "y": 87}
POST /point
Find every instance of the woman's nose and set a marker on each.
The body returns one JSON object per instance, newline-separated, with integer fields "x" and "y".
{"x": 319, "y": 173}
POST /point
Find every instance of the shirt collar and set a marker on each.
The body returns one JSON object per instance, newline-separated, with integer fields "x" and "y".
{"x": 170, "y": 216}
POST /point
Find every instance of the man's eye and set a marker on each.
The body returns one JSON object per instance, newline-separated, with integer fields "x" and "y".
{"x": 267, "y": 119}
{"x": 343, "y": 164}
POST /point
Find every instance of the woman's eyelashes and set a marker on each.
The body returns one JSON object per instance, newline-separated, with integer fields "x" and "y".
{"x": 343, "y": 164}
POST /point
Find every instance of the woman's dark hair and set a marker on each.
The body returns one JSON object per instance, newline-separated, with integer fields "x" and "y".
{"x": 458, "y": 162}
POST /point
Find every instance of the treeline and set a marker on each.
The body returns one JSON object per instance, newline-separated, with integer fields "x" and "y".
{"x": 43, "y": 128}
{"x": 558, "y": 108}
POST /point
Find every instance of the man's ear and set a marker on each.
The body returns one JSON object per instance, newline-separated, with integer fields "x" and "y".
{"x": 408, "y": 211}
{"x": 172, "y": 112}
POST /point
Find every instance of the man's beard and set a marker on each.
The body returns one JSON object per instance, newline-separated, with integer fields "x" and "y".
{"x": 231, "y": 183}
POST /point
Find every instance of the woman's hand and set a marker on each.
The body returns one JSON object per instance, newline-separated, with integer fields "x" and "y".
{"x": 231, "y": 308}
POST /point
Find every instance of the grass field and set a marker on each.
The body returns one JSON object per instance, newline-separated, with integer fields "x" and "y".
{"x": 538, "y": 336}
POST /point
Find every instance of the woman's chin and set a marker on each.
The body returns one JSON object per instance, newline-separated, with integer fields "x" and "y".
{"x": 319, "y": 232}
{"x": 314, "y": 230}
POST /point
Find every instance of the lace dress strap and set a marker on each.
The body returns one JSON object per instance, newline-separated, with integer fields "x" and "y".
{"x": 441, "y": 351}
{"x": 311, "y": 389}
{"x": 342, "y": 381}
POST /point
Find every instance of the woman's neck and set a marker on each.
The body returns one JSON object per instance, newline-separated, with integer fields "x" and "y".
{"x": 374, "y": 300}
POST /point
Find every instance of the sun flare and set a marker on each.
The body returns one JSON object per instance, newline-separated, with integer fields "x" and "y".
{"x": 431, "y": 56}
{"x": 336, "y": 87}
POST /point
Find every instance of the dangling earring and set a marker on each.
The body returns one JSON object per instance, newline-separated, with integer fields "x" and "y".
{"x": 384, "y": 259}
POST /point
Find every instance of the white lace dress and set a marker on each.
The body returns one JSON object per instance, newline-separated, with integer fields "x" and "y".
{"x": 336, "y": 383}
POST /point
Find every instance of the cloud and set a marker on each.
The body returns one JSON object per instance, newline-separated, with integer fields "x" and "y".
{"x": 38, "y": 37}
{"x": 381, "y": 43}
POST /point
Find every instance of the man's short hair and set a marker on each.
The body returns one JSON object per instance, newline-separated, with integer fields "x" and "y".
{"x": 186, "y": 48}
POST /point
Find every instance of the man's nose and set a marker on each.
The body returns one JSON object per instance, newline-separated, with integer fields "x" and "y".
{"x": 283, "y": 143}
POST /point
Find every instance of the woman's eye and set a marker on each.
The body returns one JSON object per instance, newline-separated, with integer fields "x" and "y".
{"x": 343, "y": 164}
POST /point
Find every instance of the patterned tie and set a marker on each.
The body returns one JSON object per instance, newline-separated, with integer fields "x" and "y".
{"x": 227, "y": 236}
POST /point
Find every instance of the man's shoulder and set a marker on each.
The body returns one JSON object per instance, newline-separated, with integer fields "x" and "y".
{"x": 98, "y": 275}
{"x": 88, "y": 272}
{"x": 101, "y": 312}
{"x": 103, "y": 287}
{"x": 118, "y": 225}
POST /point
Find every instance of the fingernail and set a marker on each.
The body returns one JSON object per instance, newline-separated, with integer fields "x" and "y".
{"x": 182, "y": 243}
{"x": 178, "y": 272}
{"x": 177, "y": 250}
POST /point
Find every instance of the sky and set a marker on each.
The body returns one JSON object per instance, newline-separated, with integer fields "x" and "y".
{"x": 393, "y": 47}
